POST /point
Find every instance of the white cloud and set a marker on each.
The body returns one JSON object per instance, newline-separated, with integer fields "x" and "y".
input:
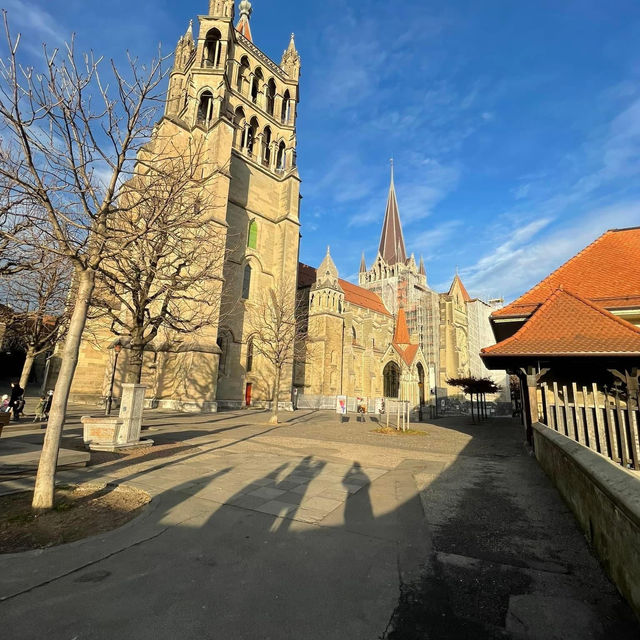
{"x": 528, "y": 255}
{"x": 36, "y": 22}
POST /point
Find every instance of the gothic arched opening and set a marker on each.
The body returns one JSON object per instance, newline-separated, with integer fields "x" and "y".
{"x": 266, "y": 146}
{"x": 286, "y": 107}
{"x": 421, "y": 379}
{"x": 243, "y": 73}
{"x": 391, "y": 375}
{"x": 212, "y": 48}
{"x": 282, "y": 158}
{"x": 256, "y": 85}
{"x": 271, "y": 96}
{"x": 205, "y": 108}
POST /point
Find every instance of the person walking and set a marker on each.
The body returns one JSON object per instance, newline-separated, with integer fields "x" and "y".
{"x": 47, "y": 406}
{"x": 39, "y": 415}
{"x": 16, "y": 402}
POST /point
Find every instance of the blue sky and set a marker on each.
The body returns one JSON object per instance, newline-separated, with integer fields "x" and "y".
{"x": 515, "y": 125}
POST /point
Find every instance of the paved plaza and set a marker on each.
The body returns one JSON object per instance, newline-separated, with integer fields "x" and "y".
{"x": 318, "y": 528}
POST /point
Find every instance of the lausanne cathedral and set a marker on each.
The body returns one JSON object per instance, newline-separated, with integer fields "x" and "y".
{"x": 388, "y": 336}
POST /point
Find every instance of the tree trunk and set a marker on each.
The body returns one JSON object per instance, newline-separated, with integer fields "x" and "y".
{"x": 26, "y": 369}
{"x": 45, "y": 480}
{"x": 134, "y": 368}
{"x": 276, "y": 398}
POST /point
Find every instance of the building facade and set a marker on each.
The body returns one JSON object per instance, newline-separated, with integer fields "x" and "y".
{"x": 228, "y": 98}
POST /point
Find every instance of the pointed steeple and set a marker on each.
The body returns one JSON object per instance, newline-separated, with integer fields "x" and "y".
{"x": 291, "y": 59}
{"x": 422, "y": 271}
{"x": 392, "y": 247}
{"x": 244, "y": 26}
{"x": 401, "y": 336}
{"x": 363, "y": 264}
{"x": 327, "y": 272}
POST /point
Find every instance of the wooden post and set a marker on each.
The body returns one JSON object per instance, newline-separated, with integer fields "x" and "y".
{"x": 589, "y": 417}
{"x": 603, "y": 448}
{"x": 580, "y": 431}
{"x": 571, "y": 428}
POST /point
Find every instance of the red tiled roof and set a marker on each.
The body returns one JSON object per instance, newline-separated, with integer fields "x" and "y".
{"x": 567, "y": 324}
{"x": 465, "y": 295}
{"x": 408, "y": 353}
{"x": 352, "y": 293}
{"x": 402, "y": 330}
{"x": 605, "y": 272}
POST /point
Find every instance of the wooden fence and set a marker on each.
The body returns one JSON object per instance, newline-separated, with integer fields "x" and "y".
{"x": 596, "y": 418}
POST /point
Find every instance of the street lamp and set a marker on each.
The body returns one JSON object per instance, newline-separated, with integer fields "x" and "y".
{"x": 117, "y": 348}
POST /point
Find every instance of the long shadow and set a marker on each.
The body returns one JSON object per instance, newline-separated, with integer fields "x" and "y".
{"x": 256, "y": 567}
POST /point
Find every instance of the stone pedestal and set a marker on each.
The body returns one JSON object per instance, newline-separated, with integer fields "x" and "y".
{"x": 104, "y": 433}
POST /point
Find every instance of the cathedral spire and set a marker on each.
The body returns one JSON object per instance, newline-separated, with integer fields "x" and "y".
{"x": 422, "y": 271}
{"x": 363, "y": 264}
{"x": 392, "y": 247}
{"x": 291, "y": 59}
{"x": 245, "y": 15}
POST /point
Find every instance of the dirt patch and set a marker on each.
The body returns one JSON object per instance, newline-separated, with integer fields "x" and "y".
{"x": 79, "y": 512}
{"x": 389, "y": 431}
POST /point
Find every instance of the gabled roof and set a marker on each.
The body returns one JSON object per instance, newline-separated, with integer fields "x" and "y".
{"x": 352, "y": 293}
{"x": 392, "y": 247}
{"x": 408, "y": 354}
{"x": 465, "y": 295}
{"x": 569, "y": 325}
{"x": 605, "y": 272}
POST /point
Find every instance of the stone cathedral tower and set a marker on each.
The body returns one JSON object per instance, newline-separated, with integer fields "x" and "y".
{"x": 240, "y": 107}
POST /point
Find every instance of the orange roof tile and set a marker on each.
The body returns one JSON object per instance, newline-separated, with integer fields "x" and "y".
{"x": 401, "y": 335}
{"x": 352, "y": 293}
{"x": 605, "y": 272}
{"x": 408, "y": 353}
{"x": 569, "y": 325}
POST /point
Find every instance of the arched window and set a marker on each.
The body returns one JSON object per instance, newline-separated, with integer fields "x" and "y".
{"x": 266, "y": 147}
{"x": 281, "y": 160}
{"x": 271, "y": 96}
{"x": 205, "y": 108}
{"x": 212, "y": 49}
{"x": 252, "y": 236}
{"x": 251, "y": 135}
{"x": 256, "y": 85}
{"x": 223, "y": 344}
{"x": 246, "y": 283}
{"x": 286, "y": 107}
{"x": 239, "y": 121}
{"x": 391, "y": 376}
{"x": 250, "y": 355}
{"x": 243, "y": 73}
{"x": 354, "y": 335}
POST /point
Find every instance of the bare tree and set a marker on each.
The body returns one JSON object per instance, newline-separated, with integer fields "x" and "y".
{"x": 277, "y": 335}
{"x": 70, "y": 138}
{"x": 170, "y": 277}
{"x": 38, "y": 303}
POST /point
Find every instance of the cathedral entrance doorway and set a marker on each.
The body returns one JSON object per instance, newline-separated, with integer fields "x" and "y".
{"x": 421, "y": 383}
{"x": 391, "y": 376}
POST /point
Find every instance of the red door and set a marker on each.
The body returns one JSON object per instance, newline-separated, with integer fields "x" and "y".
{"x": 247, "y": 395}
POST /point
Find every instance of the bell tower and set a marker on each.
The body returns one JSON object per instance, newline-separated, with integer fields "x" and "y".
{"x": 228, "y": 96}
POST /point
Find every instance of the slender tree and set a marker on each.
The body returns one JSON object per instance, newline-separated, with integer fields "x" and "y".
{"x": 278, "y": 338}
{"x": 70, "y": 136}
